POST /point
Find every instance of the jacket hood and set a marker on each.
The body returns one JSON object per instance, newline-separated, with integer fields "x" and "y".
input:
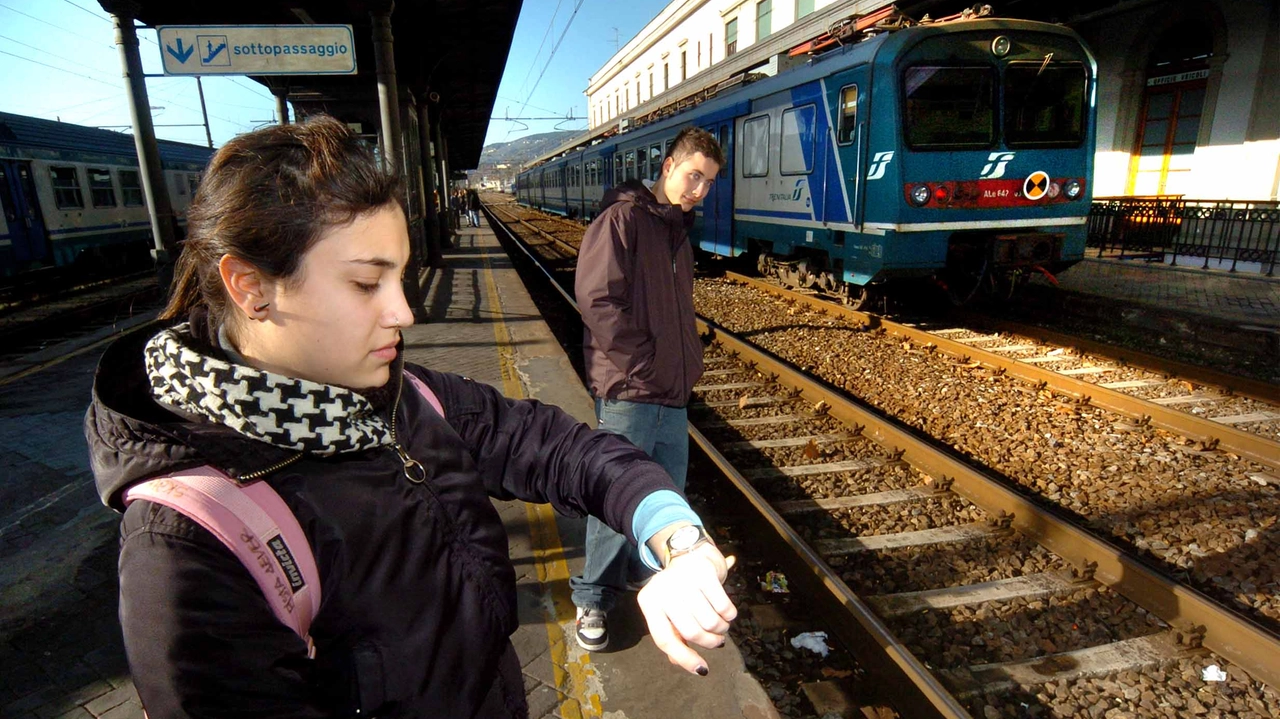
{"x": 635, "y": 192}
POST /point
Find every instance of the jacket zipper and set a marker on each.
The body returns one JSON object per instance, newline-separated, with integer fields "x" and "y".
{"x": 675, "y": 284}
{"x": 273, "y": 468}
{"x": 413, "y": 469}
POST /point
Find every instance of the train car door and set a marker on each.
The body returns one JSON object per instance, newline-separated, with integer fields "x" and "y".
{"x": 717, "y": 206}
{"x": 843, "y": 179}
{"x": 22, "y": 212}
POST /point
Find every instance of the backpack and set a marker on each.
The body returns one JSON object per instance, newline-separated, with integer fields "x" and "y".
{"x": 258, "y": 527}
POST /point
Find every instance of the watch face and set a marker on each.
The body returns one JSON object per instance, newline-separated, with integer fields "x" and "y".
{"x": 684, "y": 537}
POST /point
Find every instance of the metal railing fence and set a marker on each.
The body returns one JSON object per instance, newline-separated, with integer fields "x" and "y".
{"x": 1227, "y": 232}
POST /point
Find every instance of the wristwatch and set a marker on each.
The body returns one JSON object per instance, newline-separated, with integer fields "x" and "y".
{"x": 685, "y": 540}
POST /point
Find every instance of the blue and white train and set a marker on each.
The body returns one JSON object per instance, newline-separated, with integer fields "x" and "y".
{"x": 959, "y": 151}
{"x": 72, "y": 196}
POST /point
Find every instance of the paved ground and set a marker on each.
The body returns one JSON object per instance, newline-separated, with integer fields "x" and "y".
{"x": 1231, "y": 297}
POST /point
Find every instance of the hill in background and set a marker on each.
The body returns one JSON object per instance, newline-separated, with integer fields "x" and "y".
{"x": 524, "y": 149}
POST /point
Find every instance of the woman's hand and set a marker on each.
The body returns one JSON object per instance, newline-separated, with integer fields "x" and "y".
{"x": 686, "y": 604}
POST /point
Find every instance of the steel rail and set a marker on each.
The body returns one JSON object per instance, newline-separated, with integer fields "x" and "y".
{"x": 932, "y": 698}
{"x": 550, "y": 237}
{"x": 1251, "y": 446}
{"x": 1242, "y": 386}
{"x": 1236, "y": 638}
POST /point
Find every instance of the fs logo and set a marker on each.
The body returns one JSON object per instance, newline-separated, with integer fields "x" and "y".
{"x": 878, "y": 165}
{"x": 796, "y": 193}
{"x": 994, "y": 168}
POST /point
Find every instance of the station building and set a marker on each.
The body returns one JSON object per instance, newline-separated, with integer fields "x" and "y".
{"x": 1188, "y": 93}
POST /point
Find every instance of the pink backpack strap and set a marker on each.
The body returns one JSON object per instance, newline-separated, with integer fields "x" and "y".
{"x": 258, "y": 527}
{"x": 425, "y": 391}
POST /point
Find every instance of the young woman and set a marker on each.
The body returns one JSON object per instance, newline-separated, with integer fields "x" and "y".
{"x": 282, "y": 363}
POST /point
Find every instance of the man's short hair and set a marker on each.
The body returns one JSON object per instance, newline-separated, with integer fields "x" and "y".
{"x": 693, "y": 140}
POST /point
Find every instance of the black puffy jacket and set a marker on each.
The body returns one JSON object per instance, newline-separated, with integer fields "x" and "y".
{"x": 418, "y": 592}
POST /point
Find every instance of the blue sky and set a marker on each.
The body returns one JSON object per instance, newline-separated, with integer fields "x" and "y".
{"x": 58, "y": 60}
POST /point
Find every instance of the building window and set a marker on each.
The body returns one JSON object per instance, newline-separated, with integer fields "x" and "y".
{"x": 684, "y": 66}
{"x": 699, "y": 65}
{"x": 803, "y": 7}
{"x": 650, "y": 85}
{"x": 848, "y": 114}
{"x": 130, "y": 187}
{"x": 666, "y": 79}
{"x": 755, "y": 147}
{"x": 797, "y": 141}
{"x": 638, "y": 100}
{"x": 101, "y": 191}
{"x": 731, "y": 37}
{"x": 764, "y": 19}
{"x": 66, "y": 188}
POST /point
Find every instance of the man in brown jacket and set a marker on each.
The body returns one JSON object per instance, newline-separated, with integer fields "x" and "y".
{"x": 635, "y": 289}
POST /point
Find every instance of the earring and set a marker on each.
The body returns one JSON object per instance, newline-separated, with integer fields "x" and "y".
{"x": 259, "y": 311}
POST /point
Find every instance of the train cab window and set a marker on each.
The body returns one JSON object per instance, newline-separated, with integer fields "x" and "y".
{"x": 949, "y": 107}
{"x": 655, "y": 162}
{"x": 797, "y": 140}
{"x": 66, "y": 188}
{"x": 848, "y": 114}
{"x": 101, "y": 191}
{"x": 1044, "y": 104}
{"x": 755, "y": 147}
{"x": 130, "y": 187}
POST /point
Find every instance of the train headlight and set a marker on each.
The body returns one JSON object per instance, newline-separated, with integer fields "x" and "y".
{"x": 920, "y": 195}
{"x": 1001, "y": 45}
{"x": 1073, "y": 189}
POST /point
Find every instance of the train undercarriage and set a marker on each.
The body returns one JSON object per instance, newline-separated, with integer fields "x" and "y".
{"x": 978, "y": 267}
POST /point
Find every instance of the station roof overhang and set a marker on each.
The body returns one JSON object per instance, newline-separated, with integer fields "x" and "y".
{"x": 453, "y": 50}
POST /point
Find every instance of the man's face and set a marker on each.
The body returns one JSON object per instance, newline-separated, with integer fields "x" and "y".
{"x": 688, "y": 181}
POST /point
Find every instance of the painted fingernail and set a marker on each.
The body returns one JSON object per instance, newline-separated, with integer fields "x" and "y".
{"x": 702, "y": 671}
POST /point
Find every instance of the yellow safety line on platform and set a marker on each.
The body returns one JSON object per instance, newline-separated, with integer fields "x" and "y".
{"x": 571, "y": 675}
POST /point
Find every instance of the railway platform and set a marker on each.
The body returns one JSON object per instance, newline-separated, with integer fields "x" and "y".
{"x": 59, "y": 637}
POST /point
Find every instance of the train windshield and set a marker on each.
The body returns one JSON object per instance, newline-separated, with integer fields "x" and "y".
{"x": 1044, "y": 104}
{"x": 950, "y": 107}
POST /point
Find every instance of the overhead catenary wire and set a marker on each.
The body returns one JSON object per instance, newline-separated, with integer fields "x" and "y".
{"x": 55, "y": 27}
{"x": 551, "y": 57}
{"x": 37, "y": 49}
{"x": 60, "y": 69}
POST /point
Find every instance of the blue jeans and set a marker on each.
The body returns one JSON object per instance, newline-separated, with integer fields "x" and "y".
{"x": 663, "y": 434}
{"x": 473, "y": 217}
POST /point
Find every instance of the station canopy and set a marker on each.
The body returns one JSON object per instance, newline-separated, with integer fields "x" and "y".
{"x": 456, "y": 49}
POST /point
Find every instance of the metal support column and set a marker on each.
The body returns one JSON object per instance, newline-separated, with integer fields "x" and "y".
{"x": 446, "y": 199}
{"x": 144, "y": 137}
{"x": 431, "y": 219}
{"x": 388, "y": 95}
{"x": 282, "y": 103}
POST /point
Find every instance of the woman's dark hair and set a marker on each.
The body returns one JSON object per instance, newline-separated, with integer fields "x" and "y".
{"x": 266, "y": 198}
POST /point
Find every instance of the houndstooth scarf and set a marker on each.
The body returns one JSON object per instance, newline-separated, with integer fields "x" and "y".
{"x": 281, "y": 411}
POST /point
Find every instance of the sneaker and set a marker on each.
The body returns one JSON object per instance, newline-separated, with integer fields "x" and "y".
{"x": 592, "y": 633}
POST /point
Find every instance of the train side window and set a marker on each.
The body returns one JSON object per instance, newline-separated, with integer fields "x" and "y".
{"x": 66, "y": 188}
{"x": 193, "y": 182}
{"x": 642, "y": 164}
{"x": 617, "y": 169}
{"x": 797, "y": 140}
{"x": 630, "y": 165}
{"x": 130, "y": 187}
{"x": 755, "y": 147}
{"x": 101, "y": 191}
{"x": 848, "y": 114}
{"x": 655, "y": 162}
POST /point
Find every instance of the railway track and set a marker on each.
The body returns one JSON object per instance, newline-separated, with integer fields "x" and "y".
{"x": 964, "y": 578}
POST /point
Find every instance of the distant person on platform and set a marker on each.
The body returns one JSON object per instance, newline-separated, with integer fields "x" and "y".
{"x": 643, "y": 356}
{"x": 473, "y": 208}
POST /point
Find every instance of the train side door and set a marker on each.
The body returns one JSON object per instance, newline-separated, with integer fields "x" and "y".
{"x": 843, "y": 176}
{"x": 717, "y": 206}
{"x": 22, "y": 212}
